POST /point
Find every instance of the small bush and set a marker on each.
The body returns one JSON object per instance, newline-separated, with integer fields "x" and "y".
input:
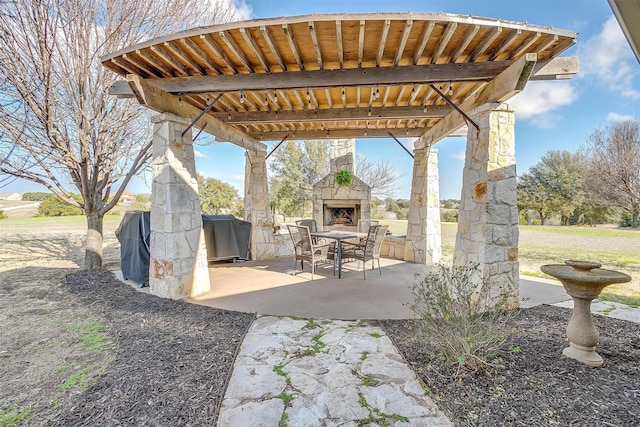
{"x": 448, "y": 215}
{"x": 2, "y": 214}
{"x": 459, "y": 316}
{"x": 53, "y": 206}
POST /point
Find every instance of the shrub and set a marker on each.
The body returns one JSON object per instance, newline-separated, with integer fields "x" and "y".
{"x": 448, "y": 215}
{"x": 458, "y": 314}
{"x": 53, "y": 206}
{"x": 2, "y": 214}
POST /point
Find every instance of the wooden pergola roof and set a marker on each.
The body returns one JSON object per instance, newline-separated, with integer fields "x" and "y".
{"x": 339, "y": 76}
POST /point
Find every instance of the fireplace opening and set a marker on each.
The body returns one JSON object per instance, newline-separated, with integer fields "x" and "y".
{"x": 342, "y": 216}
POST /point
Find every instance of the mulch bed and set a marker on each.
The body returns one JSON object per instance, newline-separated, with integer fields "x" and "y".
{"x": 531, "y": 384}
{"x": 172, "y": 361}
{"x": 174, "y": 358}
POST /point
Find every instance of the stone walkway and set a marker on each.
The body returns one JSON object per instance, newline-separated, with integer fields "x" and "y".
{"x": 305, "y": 372}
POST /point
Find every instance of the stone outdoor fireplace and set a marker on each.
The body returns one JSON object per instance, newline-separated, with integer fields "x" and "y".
{"x": 341, "y": 207}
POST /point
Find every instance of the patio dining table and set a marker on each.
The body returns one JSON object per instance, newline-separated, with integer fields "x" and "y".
{"x": 338, "y": 236}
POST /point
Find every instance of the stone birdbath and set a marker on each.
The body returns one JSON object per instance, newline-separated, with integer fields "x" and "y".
{"x": 583, "y": 281}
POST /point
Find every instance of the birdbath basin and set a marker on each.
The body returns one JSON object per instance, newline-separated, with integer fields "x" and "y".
{"x": 583, "y": 281}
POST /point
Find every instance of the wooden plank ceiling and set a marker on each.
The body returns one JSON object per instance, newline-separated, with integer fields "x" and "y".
{"x": 339, "y": 76}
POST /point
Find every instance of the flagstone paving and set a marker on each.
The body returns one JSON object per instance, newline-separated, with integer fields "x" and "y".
{"x": 306, "y": 372}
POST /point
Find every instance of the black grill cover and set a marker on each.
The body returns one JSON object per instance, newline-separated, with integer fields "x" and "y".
{"x": 226, "y": 237}
{"x": 133, "y": 233}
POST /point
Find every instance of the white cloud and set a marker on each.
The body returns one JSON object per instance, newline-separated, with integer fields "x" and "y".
{"x": 608, "y": 57}
{"x": 615, "y": 117}
{"x": 244, "y": 11}
{"x": 538, "y": 102}
{"x": 458, "y": 156}
{"x": 199, "y": 155}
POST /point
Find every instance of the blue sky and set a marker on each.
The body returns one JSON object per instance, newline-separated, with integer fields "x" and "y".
{"x": 549, "y": 115}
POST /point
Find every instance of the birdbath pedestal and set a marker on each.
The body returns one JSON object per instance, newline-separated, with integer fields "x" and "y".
{"x": 583, "y": 281}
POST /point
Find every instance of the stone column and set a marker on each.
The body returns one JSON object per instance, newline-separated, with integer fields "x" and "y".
{"x": 342, "y": 155}
{"x": 423, "y": 243}
{"x": 178, "y": 264}
{"x": 488, "y": 220}
{"x": 256, "y": 205}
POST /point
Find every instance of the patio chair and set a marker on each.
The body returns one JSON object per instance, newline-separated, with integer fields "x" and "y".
{"x": 304, "y": 248}
{"x": 368, "y": 250}
{"x": 362, "y": 224}
{"x": 311, "y": 223}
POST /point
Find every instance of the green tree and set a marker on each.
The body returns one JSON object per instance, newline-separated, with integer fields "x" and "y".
{"x": 614, "y": 166}
{"x": 218, "y": 197}
{"x": 142, "y": 202}
{"x": 555, "y": 185}
{"x": 37, "y": 196}
{"x": 53, "y": 206}
{"x": 294, "y": 168}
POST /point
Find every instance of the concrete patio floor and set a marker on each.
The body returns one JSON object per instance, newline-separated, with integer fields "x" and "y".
{"x": 269, "y": 287}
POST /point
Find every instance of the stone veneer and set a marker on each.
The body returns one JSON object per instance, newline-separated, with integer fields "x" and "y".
{"x": 178, "y": 262}
{"x": 257, "y": 209}
{"x": 423, "y": 242}
{"x": 488, "y": 220}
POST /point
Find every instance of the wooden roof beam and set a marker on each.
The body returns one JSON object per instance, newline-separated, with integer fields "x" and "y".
{"x": 162, "y": 54}
{"x": 292, "y": 45}
{"x": 339, "y": 41}
{"x": 507, "y": 84}
{"x": 448, "y": 32}
{"x": 254, "y": 48}
{"x": 161, "y": 101}
{"x": 383, "y": 41}
{"x": 361, "y": 42}
{"x": 186, "y": 60}
{"x": 403, "y": 41}
{"x": 336, "y": 133}
{"x": 413, "y": 74}
{"x": 275, "y": 52}
{"x": 486, "y": 42}
{"x": 208, "y": 41}
{"x": 193, "y": 48}
{"x": 316, "y": 45}
{"x": 471, "y": 32}
{"x": 233, "y": 47}
{"x": 363, "y": 113}
{"x": 423, "y": 42}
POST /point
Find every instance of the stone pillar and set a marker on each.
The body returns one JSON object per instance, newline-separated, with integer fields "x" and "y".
{"x": 423, "y": 243}
{"x": 488, "y": 220}
{"x": 257, "y": 209}
{"x": 178, "y": 264}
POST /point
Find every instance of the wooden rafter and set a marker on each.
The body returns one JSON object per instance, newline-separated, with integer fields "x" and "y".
{"x": 254, "y": 49}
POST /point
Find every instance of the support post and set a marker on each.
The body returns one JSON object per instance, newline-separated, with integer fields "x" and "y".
{"x": 178, "y": 264}
{"x": 488, "y": 220}
{"x": 423, "y": 244}
{"x": 257, "y": 209}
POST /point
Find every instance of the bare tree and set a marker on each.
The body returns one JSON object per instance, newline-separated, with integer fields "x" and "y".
{"x": 58, "y": 126}
{"x": 614, "y": 156}
{"x": 380, "y": 176}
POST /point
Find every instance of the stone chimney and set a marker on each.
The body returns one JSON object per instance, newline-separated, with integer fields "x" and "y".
{"x": 342, "y": 155}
